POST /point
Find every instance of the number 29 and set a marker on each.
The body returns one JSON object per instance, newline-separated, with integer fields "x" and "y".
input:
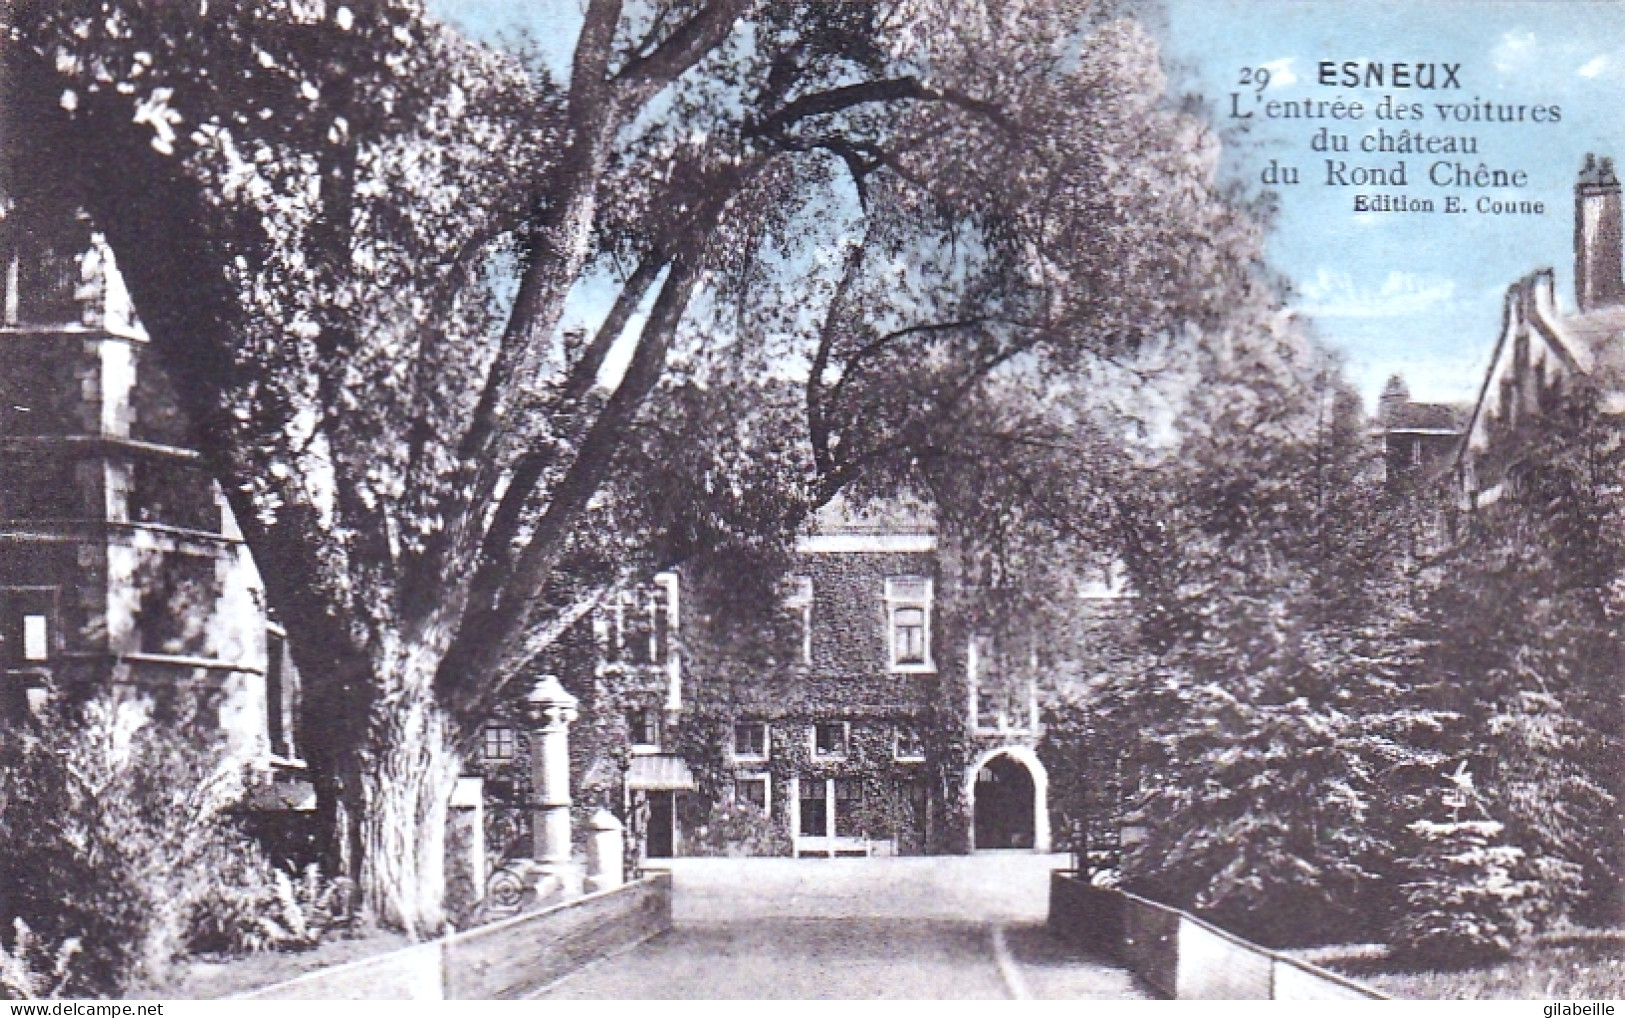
{"x": 1258, "y": 77}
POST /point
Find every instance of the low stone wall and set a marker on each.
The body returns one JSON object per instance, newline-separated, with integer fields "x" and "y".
{"x": 1089, "y": 916}
{"x": 1151, "y": 943}
{"x": 1181, "y": 956}
{"x": 510, "y": 958}
{"x": 498, "y": 961}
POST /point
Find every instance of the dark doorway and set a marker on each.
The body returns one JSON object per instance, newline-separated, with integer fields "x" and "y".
{"x": 662, "y": 816}
{"x": 1003, "y": 805}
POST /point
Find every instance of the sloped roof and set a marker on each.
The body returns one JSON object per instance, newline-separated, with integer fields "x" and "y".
{"x": 1588, "y": 343}
{"x": 1600, "y": 334}
{"x": 1427, "y": 417}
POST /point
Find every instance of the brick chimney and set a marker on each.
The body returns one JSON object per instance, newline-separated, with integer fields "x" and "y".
{"x": 1598, "y": 281}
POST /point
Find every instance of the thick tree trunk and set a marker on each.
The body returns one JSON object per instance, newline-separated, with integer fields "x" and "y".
{"x": 408, "y": 774}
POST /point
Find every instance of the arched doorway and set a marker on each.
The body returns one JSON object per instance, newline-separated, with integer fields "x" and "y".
{"x": 1007, "y": 789}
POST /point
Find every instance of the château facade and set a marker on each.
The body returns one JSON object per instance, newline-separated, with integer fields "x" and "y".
{"x": 861, "y": 717}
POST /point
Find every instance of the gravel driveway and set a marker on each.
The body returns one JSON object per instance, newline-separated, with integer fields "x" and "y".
{"x": 949, "y": 927}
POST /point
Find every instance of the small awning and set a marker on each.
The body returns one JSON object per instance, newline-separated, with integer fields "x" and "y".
{"x": 663, "y": 773}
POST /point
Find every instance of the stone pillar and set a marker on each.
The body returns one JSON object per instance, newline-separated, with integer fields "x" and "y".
{"x": 465, "y": 843}
{"x": 551, "y": 709}
{"x": 605, "y": 852}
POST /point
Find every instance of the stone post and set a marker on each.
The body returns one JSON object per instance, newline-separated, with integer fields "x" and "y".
{"x": 551, "y": 709}
{"x": 465, "y": 842}
{"x": 605, "y": 852}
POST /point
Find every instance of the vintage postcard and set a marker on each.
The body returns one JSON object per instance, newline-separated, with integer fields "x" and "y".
{"x": 878, "y": 499}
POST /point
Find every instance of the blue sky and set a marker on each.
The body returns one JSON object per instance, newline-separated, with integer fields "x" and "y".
{"x": 1418, "y": 295}
{"x": 1415, "y": 294}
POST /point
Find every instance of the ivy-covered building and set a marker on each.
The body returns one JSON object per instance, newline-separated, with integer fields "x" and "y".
{"x": 841, "y": 740}
{"x": 860, "y": 716}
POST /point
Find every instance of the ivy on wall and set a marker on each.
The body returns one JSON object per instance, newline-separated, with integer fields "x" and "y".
{"x": 745, "y": 663}
{"x": 848, "y": 680}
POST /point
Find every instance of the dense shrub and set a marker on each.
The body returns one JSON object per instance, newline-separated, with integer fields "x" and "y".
{"x": 1319, "y": 647}
{"x": 739, "y": 829}
{"x": 31, "y": 970}
{"x": 75, "y": 803}
{"x": 257, "y": 908}
{"x": 118, "y": 833}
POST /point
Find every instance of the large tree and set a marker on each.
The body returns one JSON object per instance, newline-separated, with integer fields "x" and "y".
{"x": 1523, "y": 645}
{"x": 352, "y": 235}
{"x": 1263, "y": 705}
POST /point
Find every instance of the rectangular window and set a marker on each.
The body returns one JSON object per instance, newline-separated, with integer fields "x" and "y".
{"x": 814, "y": 808}
{"x": 499, "y": 743}
{"x": 908, "y": 620}
{"x": 750, "y": 741}
{"x": 642, "y": 727}
{"x": 799, "y": 599}
{"x": 830, "y": 739}
{"x": 849, "y": 808}
{"x": 661, "y": 596}
{"x": 752, "y": 789}
{"x": 36, "y": 641}
{"x": 276, "y": 727}
{"x": 636, "y": 626}
{"x": 27, "y": 626}
{"x": 910, "y": 746}
{"x": 908, "y": 629}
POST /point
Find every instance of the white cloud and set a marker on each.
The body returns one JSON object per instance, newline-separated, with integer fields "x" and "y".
{"x": 1332, "y": 294}
{"x": 1550, "y": 56}
{"x": 1515, "y": 51}
{"x": 1432, "y": 378}
{"x": 1281, "y": 72}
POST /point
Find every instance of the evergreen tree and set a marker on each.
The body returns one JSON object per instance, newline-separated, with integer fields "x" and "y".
{"x": 1274, "y": 582}
{"x": 1527, "y": 646}
{"x": 1461, "y": 899}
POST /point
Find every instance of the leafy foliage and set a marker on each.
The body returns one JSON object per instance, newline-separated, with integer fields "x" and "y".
{"x": 1311, "y": 670}
{"x": 113, "y": 829}
{"x": 120, "y": 838}
{"x": 29, "y": 970}
{"x": 1526, "y": 643}
{"x": 739, "y": 829}
{"x": 1272, "y": 576}
{"x": 267, "y": 910}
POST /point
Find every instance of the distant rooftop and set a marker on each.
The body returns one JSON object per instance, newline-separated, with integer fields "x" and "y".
{"x": 1599, "y": 336}
{"x": 1598, "y": 172}
{"x": 1425, "y": 416}
{"x": 902, "y": 515}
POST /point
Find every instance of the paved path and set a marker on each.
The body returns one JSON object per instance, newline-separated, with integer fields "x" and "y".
{"x": 916, "y": 928}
